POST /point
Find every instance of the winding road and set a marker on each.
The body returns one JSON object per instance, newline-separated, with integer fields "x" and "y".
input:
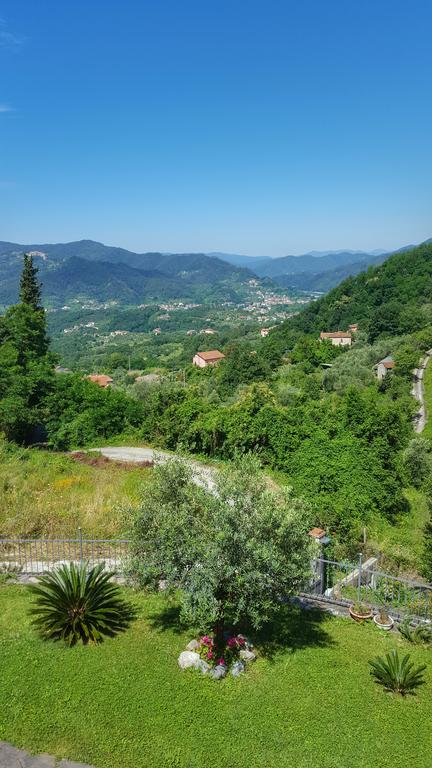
{"x": 202, "y": 475}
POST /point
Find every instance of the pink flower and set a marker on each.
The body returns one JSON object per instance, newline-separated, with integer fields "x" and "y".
{"x": 241, "y": 640}
{"x": 206, "y": 640}
{"x": 210, "y": 655}
{"x": 221, "y": 661}
{"x": 232, "y": 642}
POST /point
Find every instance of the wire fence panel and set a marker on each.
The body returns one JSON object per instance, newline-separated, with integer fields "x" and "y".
{"x": 340, "y": 583}
{"x": 35, "y": 556}
{"x": 348, "y": 583}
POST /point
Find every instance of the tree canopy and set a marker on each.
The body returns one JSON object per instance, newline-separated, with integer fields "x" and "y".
{"x": 233, "y": 552}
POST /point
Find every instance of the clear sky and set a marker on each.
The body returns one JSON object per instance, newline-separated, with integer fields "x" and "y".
{"x": 194, "y": 125}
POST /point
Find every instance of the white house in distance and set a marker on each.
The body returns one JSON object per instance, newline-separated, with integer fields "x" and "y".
{"x": 337, "y": 338}
{"x": 264, "y": 332}
{"x": 203, "y": 359}
{"x": 384, "y": 365}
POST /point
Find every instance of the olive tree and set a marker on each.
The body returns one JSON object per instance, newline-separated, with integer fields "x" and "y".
{"x": 233, "y": 552}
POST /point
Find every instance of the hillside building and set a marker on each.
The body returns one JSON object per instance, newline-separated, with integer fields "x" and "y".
{"x": 337, "y": 338}
{"x": 383, "y": 367}
{"x": 203, "y": 359}
{"x": 100, "y": 379}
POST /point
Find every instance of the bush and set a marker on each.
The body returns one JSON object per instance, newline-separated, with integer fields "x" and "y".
{"x": 419, "y": 635}
{"x": 76, "y": 602}
{"x": 417, "y": 461}
{"x": 396, "y": 674}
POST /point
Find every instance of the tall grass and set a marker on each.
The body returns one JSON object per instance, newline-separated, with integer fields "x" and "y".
{"x": 47, "y": 494}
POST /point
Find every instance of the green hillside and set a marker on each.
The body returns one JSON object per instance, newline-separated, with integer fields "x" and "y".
{"x": 391, "y": 299}
{"x": 87, "y": 270}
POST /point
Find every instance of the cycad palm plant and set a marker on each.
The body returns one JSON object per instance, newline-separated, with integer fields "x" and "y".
{"x": 397, "y": 674}
{"x": 79, "y": 603}
{"x": 419, "y": 635}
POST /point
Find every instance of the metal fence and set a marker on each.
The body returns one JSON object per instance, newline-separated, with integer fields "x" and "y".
{"x": 35, "y": 556}
{"x": 346, "y": 583}
{"x": 338, "y": 583}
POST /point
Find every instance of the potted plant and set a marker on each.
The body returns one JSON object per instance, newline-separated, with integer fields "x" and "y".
{"x": 383, "y": 620}
{"x": 360, "y": 612}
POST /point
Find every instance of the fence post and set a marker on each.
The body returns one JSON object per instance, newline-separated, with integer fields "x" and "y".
{"x": 80, "y": 543}
{"x": 359, "y": 583}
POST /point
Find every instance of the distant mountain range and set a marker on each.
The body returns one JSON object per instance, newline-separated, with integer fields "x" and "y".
{"x": 312, "y": 271}
{"x": 89, "y": 270}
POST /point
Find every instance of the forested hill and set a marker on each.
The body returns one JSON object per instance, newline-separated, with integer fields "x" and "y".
{"x": 90, "y": 270}
{"x": 392, "y": 299}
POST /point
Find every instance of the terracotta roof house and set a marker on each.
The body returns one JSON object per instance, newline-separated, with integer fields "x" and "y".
{"x": 317, "y": 533}
{"x": 100, "y": 379}
{"x": 202, "y": 359}
{"x": 384, "y": 365}
{"x": 337, "y": 338}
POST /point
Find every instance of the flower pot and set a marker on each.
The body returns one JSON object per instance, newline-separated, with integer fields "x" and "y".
{"x": 387, "y": 626}
{"x": 360, "y": 616}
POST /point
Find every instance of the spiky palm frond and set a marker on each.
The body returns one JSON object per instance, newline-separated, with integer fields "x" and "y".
{"x": 76, "y": 602}
{"x": 397, "y": 674}
{"x": 419, "y": 635}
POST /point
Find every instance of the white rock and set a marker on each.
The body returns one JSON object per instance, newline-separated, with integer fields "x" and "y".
{"x": 219, "y": 672}
{"x": 188, "y": 659}
{"x": 193, "y": 645}
{"x": 203, "y": 666}
{"x": 237, "y": 668}
{"x": 247, "y": 655}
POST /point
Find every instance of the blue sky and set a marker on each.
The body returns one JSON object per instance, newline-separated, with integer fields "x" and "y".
{"x": 250, "y": 127}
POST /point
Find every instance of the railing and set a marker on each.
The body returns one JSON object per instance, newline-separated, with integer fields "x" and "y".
{"x": 338, "y": 583}
{"x": 34, "y": 556}
{"x": 346, "y": 583}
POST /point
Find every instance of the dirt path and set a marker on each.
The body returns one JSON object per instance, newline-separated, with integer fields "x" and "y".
{"x": 202, "y": 475}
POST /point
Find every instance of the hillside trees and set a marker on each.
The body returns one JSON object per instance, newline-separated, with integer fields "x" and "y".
{"x": 79, "y": 412}
{"x": 25, "y": 362}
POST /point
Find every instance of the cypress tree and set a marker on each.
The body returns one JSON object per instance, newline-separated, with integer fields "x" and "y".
{"x": 30, "y": 289}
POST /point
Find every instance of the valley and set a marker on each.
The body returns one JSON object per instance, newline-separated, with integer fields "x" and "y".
{"x": 317, "y": 414}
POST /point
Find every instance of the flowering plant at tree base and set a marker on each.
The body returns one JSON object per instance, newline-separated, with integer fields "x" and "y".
{"x": 225, "y": 655}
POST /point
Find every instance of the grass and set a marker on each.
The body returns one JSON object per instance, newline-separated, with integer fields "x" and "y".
{"x": 308, "y": 701}
{"x": 427, "y": 432}
{"x": 47, "y": 494}
{"x": 401, "y": 543}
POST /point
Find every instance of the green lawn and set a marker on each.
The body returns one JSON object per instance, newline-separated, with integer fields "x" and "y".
{"x": 308, "y": 703}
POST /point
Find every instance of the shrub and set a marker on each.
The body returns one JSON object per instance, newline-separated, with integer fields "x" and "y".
{"x": 396, "y": 674}
{"x": 76, "y": 602}
{"x": 235, "y": 551}
{"x": 419, "y": 635}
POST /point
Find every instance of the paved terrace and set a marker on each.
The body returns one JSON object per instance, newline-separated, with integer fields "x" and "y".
{"x": 10, "y": 757}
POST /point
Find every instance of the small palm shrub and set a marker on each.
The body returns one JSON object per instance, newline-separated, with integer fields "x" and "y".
{"x": 79, "y": 603}
{"x": 419, "y": 635}
{"x": 397, "y": 674}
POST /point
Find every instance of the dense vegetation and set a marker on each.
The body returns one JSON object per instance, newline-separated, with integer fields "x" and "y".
{"x": 314, "y": 413}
